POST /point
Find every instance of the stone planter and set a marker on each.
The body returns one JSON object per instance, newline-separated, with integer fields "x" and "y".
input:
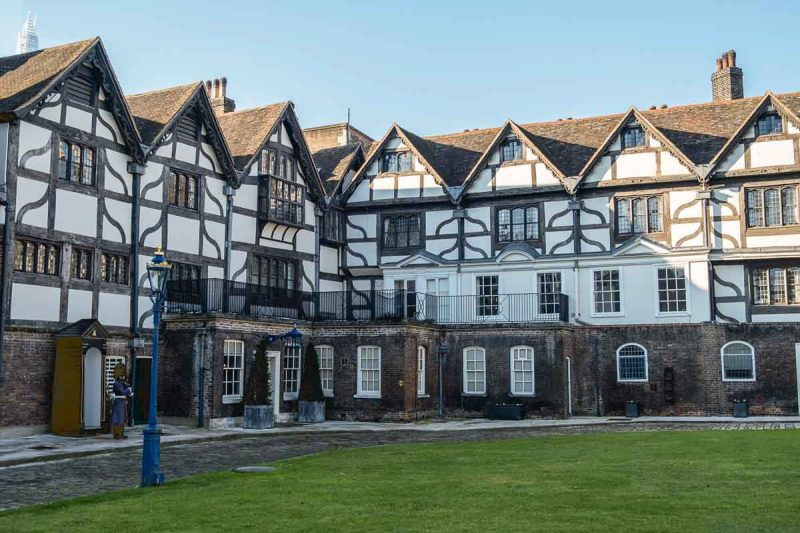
{"x": 310, "y": 412}
{"x": 258, "y": 417}
{"x": 506, "y": 411}
{"x": 632, "y": 409}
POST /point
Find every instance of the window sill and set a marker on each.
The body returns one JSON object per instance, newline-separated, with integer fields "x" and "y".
{"x": 423, "y": 395}
{"x": 180, "y": 208}
{"x": 729, "y": 380}
{"x": 289, "y": 396}
{"x": 633, "y": 380}
{"x": 327, "y": 394}
{"x": 289, "y": 223}
{"x": 474, "y": 394}
{"x": 672, "y": 314}
{"x": 367, "y": 396}
{"x": 607, "y": 315}
{"x": 231, "y": 399}
{"x": 522, "y": 394}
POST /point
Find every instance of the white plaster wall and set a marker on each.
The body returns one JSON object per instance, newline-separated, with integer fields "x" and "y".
{"x": 512, "y": 176}
{"x": 208, "y": 158}
{"x": 670, "y": 166}
{"x": 430, "y": 187}
{"x": 165, "y": 149}
{"x": 183, "y": 234}
{"x": 35, "y": 302}
{"x": 306, "y": 242}
{"x": 772, "y": 153}
{"x": 366, "y": 222}
{"x": 79, "y": 305}
{"x": 544, "y": 176}
{"x": 554, "y": 240}
{"x": 636, "y": 165}
{"x": 152, "y": 173}
{"x": 383, "y": 187}
{"x": 330, "y": 286}
{"x": 145, "y": 305}
{"x": 734, "y": 310}
{"x": 52, "y": 114}
{"x": 278, "y": 245}
{"x": 600, "y": 236}
{"x": 367, "y": 249}
{"x": 216, "y": 231}
{"x": 285, "y": 140}
{"x": 111, "y": 133}
{"x": 214, "y": 187}
{"x": 119, "y": 162}
{"x": 434, "y": 218}
{"x": 121, "y": 213}
{"x": 785, "y": 317}
{"x": 678, "y": 199}
{"x": 328, "y": 260}
{"x": 766, "y": 241}
{"x": 560, "y": 208}
{"x": 731, "y": 274}
{"x": 238, "y": 261}
{"x": 77, "y": 213}
{"x": 28, "y": 191}
{"x": 437, "y": 246}
{"x": 247, "y": 197}
{"x": 184, "y": 152}
{"x": 243, "y": 228}
{"x": 408, "y": 186}
{"x": 31, "y": 138}
{"x": 599, "y": 204}
{"x": 79, "y": 119}
{"x": 483, "y": 243}
{"x": 484, "y": 214}
{"x": 601, "y": 170}
{"x": 361, "y": 192}
{"x": 483, "y": 181}
{"x": 734, "y": 160}
{"x": 114, "y": 309}
{"x": 148, "y": 218}
{"x": 216, "y": 272}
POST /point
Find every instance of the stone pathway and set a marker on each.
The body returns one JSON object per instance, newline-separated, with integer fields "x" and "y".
{"x": 41, "y": 482}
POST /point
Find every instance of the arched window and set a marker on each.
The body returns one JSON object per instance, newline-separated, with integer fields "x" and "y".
{"x": 738, "y": 362}
{"x": 474, "y": 370}
{"x": 632, "y": 363}
{"x": 522, "y": 382}
{"x": 421, "y": 370}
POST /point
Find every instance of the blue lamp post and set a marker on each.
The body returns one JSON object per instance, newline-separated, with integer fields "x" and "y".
{"x": 158, "y": 270}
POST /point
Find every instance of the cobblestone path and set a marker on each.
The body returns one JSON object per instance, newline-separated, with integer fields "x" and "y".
{"x": 36, "y": 483}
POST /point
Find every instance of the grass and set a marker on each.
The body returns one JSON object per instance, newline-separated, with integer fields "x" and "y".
{"x": 678, "y": 481}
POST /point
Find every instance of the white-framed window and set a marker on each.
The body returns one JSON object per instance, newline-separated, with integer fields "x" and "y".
{"x": 606, "y": 292}
{"x": 325, "y": 356}
{"x": 421, "y": 352}
{"x": 738, "y": 362}
{"x": 488, "y": 302}
{"x": 232, "y": 371}
{"x": 369, "y": 372}
{"x": 549, "y": 292}
{"x": 673, "y": 295}
{"x": 437, "y": 303}
{"x": 522, "y": 382}
{"x": 632, "y": 362}
{"x": 474, "y": 370}
{"x": 111, "y": 363}
{"x": 291, "y": 370}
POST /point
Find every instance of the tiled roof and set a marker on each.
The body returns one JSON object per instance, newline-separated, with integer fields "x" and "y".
{"x": 333, "y": 163}
{"x": 246, "y": 130}
{"x": 154, "y": 110}
{"x": 24, "y": 76}
{"x": 455, "y": 154}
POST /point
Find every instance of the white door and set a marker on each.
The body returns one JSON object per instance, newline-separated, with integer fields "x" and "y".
{"x": 92, "y": 388}
{"x": 274, "y": 377}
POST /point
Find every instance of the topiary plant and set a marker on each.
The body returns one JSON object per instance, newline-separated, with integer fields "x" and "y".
{"x": 311, "y": 385}
{"x": 258, "y": 389}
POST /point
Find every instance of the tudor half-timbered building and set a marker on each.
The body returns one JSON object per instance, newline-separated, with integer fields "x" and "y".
{"x": 569, "y": 266}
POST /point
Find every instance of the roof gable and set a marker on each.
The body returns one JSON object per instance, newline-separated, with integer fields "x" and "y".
{"x": 641, "y": 245}
{"x": 334, "y": 163}
{"x": 246, "y": 131}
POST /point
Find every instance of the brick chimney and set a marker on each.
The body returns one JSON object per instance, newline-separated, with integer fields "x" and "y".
{"x": 217, "y": 91}
{"x": 726, "y": 82}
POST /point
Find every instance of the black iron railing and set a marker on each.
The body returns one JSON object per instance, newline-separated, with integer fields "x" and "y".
{"x": 216, "y": 295}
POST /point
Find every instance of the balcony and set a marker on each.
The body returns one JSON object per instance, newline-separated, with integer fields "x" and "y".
{"x": 246, "y": 299}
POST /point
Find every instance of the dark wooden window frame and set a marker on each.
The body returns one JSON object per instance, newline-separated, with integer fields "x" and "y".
{"x": 67, "y": 167}
{"x": 281, "y": 201}
{"x": 179, "y": 189}
{"x": 185, "y": 271}
{"x": 790, "y": 288}
{"x": 648, "y": 223}
{"x": 511, "y": 208}
{"x": 771, "y": 120}
{"x": 82, "y": 263}
{"x": 333, "y": 226}
{"x": 393, "y": 219}
{"x": 397, "y": 166}
{"x": 115, "y": 269}
{"x": 640, "y": 139}
{"x": 762, "y": 190}
{"x": 34, "y": 256}
{"x": 517, "y": 151}
{"x": 262, "y": 277}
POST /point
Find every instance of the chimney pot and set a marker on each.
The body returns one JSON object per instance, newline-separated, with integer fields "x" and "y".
{"x": 719, "y": 64}
{"x": 216, "y": 87}
{"x": 208, "y": 87}
{"x": 663, "y": 106}
{"x": 224, "y": 87}
{"x": 652, "y": 107}
{"x": 731, "y": 58}
{"x": 726, "y": 82}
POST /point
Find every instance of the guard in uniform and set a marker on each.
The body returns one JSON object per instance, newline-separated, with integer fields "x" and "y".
{"x": 119, "y": 409}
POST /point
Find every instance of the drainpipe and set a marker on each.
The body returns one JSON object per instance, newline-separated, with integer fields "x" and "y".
{"x": 5, "y": 282}
{"x": 704, "y": 196}
{"x": 441, "y": 352}
{"x": 136, "y": 170}
{"x": 230, "y": 192}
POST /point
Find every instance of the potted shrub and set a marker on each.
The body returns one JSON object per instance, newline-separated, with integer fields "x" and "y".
{"x": 258, "y": 409}
{"x": 740, "y": 408}
{"x": 311, "y": 404}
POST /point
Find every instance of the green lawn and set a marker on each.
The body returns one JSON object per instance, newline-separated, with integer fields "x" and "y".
{"x": 680, "y": 481}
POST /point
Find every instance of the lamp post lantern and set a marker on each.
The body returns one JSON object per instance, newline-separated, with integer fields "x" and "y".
{"x": 158, "y": 270}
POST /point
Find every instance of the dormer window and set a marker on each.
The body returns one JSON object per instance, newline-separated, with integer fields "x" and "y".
{"x": 769, "y": 124}
{"x": 511, "y": 150}
{"x": 269, "y": 164}
{"x": 632, "y": 137}
{"x": 396, "y": 162}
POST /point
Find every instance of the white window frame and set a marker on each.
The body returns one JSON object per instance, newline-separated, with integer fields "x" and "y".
{"x": 687, "y": 280}
{"x": 327, "y": 391}
{"x": 110, "y": 363}
{"x": 422, "y": 357}
{"x": 232, "y": 398}
{"x": 537, "y": 284}
{"x": 752, "y": 362}
{"x": 482, "y": 392}
{"x": 512, "y": 352}
{"x": 646, "y": 364}
{"x": 286, "y": 369}
{"x": 360, "y": 393}
{"x": 621, "y": 311}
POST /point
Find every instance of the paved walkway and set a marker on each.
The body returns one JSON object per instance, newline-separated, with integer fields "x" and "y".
{"x": 112, "y": 466}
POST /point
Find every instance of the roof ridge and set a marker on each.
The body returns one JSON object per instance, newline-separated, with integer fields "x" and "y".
{"x": 475, "y": 130}
{"x": 94, "y": 39}
{"x": 165, "y": 89}
{"x": 256, "y": 108}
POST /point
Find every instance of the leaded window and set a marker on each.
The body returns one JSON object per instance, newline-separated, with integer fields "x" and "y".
{"x": 333, "y": 225}
{"x": 273, "y": 272}
{"x": 269, "y": 163}
{"x": 772, "y": 207}
{"x": 511, "y": 150}
{"x": 396, "y": 161}
{"x": 632, "y": 137}
{"x": 402, "y": 231}
{"x": 671, "y": 290}
{"x": 631, "y": 363}
{"x": 549, "y": 292}
{"x": 369, "y": 371}
{"x": 607, "y": 292}
{"x": 518, "y": 224}
{"x": 776, "y": 286}
{"x": 182, "y": 190}
{"x": 487, "y": 303}
{"x": 184, "y": 271}
{"x": 232, "y": 370}
{"x": 325, "y": 357}
{"x": 37, "y": 257}
{"x": 81, "y": 263}
{"x": 522, "y": 371}
{"x": 282, "y": 200}
{"x": 114, "y": 269}
{"x": 474, "y": 371}
{"x": 738, "y": 362}
{"x": 769, "y": 124}
{"x": 639, "y": 215}
{"x": 76, "y": 163}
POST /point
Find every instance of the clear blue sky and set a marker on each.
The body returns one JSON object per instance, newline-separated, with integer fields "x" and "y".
{"x": 432, "y": 66}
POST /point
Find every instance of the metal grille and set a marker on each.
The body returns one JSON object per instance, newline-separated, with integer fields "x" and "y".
{"x": 632, "y": 363}
{"x": 671, "y": 290}
{"x": 738, "y": 361}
